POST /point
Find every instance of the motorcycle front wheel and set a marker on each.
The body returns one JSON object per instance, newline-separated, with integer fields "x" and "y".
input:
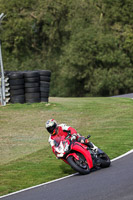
{"x": 80, "y": 165}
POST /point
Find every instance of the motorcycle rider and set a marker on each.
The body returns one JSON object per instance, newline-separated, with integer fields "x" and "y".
{"x": 62, "y": 130}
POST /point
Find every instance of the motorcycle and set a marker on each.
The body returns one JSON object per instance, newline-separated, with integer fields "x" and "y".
{"x": 79, "y": 156}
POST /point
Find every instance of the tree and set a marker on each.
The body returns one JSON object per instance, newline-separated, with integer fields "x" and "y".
{"x": 81, "y": 42}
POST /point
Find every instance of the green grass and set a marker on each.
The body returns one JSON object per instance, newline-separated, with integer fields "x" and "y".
{"x": 26, "y": 157}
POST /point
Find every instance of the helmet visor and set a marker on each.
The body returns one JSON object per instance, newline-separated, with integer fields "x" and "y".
{"x": 51, "y": 130}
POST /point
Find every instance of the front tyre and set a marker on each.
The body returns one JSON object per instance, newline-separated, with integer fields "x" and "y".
{"x": 80, "y": 165}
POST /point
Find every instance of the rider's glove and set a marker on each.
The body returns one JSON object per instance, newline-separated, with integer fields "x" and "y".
{"x": 81, "y": 139}
{"x": 73, "y": 137}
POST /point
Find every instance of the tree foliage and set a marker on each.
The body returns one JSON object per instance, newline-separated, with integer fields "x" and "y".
{"x": 88, "y": 45}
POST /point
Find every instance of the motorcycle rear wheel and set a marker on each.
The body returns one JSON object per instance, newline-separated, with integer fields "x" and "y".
{"x": 80, "y": 165}
{"x": 105, "y": 160}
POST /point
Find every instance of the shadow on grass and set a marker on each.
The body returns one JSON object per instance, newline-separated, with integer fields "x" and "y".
{"x": 66, "y": 169}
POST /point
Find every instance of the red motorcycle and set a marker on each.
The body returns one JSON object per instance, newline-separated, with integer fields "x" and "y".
{"x": 79, "y": 156}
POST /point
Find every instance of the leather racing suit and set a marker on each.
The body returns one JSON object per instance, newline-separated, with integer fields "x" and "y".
{"x": 65, "y": 131}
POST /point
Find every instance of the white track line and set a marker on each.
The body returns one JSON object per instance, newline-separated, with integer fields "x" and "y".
{"x": 125, "y": 154}
{"x": 131, "y": 151}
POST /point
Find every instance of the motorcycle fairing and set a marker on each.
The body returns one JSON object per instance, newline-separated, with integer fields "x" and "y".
{"x": 74, "y": 155}
{"x": 80, "y": 148}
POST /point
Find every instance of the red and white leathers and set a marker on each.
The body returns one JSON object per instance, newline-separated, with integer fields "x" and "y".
{"x": 62, "y": 131}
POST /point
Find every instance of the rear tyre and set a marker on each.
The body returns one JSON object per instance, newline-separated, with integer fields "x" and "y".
{"x": 80, "y": 165}
{"x": 105, "y": 160}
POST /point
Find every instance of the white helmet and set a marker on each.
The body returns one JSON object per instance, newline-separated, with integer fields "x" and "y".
{"x": 51, "y": 125}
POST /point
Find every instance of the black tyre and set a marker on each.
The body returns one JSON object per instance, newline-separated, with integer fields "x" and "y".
{"x": 15, "y": 75}
{"x": 7, "y": 73}
{"x": 45, "y": 73}
{"x": 32, "y": 80}
{"x": 44, "y": 99}
{"x": 16, "y": 82}
{"x": 105, "y": 160}
{"x": 31, "y": 74}
{"x": 43, "y": 89}
{"x": 31, "y": 85}
{"x": 17, "y": 99}
{"x": 45, "y": 78}
{"x": 44, "y": 84}
{"x": 16, "y": 87}
{"x": 17, "y": 92}
{"x": 32, "y": 95}
{"x": 32, "y": 90}
{"x": 44, "y": 94}
{"x": 80, "y": 165}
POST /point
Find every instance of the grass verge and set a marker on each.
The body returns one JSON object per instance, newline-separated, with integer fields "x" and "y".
{"x": 26, "y": 158}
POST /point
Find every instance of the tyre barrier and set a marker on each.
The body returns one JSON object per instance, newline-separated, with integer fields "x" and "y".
{"x": 16, "y": 82}
{"x": 32, "y": 91}
{"x": 28, "y": 86}
{"x": 45, "y": 76}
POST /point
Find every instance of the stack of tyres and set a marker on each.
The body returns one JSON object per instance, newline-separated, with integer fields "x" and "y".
{"x": 16, "y": 82}
{"x": 32, "y": 88}
{"x": 45, "y": 76}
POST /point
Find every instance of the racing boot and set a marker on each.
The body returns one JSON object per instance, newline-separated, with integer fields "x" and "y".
{"x": 92, "y": 146}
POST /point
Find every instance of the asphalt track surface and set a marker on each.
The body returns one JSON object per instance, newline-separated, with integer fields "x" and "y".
{"x": 130, "y": 95}
{"x": 113, "y": 183}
